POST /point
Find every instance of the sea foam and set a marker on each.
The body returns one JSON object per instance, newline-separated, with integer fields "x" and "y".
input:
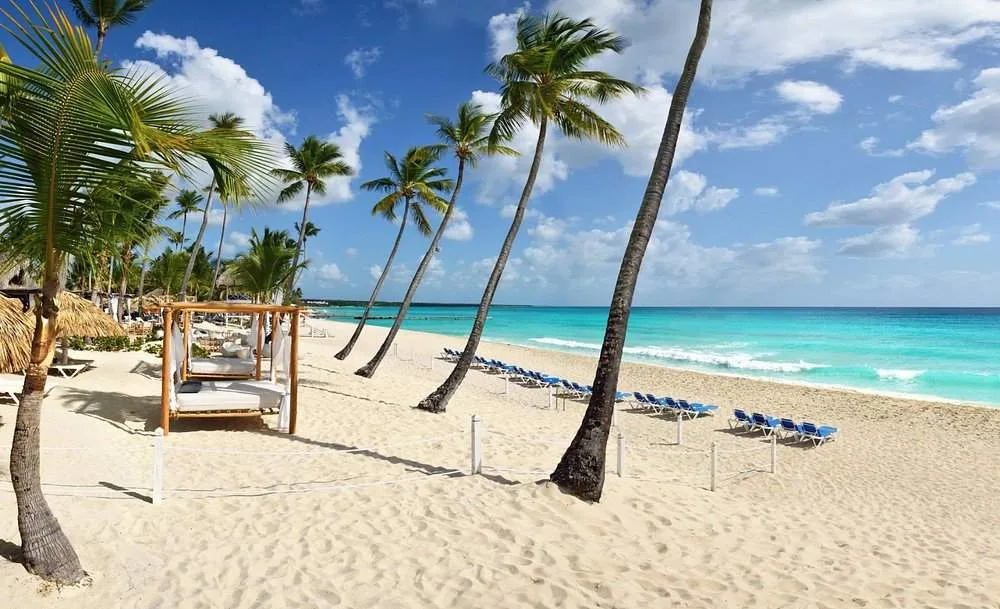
{"x": 888, "y": 374}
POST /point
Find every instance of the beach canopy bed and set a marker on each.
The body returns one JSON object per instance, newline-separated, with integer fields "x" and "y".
{"x": 245, "y": 394}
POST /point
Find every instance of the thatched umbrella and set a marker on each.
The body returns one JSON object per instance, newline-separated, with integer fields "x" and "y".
{"x": 16, "y": 330}
{"x": 77, "y": 317}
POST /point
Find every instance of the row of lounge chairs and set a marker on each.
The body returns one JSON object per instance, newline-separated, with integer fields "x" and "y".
{"x": 783, "y": 427}
{"x": 681, "y": 408}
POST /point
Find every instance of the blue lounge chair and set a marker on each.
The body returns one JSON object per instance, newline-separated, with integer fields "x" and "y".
{"x": 741, "y": 419}
{"x": 697, "y": 408}
{"x": 640, "y": 400}
{"x": 791, "y": 429}
{"x": 818, "y": 435}
{"x": 768, "y": 425}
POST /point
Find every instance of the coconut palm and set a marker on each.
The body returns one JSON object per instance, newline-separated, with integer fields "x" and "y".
{"x": 581, "y": 470}
{"x": 311, "y": 230}
{"x": 228, "y": 201}
{"x": 415, "y": 182}
{"x": 544, "y": 81}
{"x": 73, "y": 125}
{"x": 103, "y": 14}
{"x": 264, "y": 268}
{"x": 467, "y": 138}
{"x": 187, "y": 202}
{"x": 222, "y": 124}
{"x": 314, "y": 162}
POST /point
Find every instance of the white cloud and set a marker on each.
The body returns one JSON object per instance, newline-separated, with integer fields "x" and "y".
{"x": 991, "y": 204}
{"x": 899, "y": 201}
{"x": 810, "y": 95}
{"x": 234, "y": 243}
{"x": 351, "y": 252}
{"x": 309, "y": 7}
{"x": 687, "y": 190}
{"x": 548, "y": 229}
{"x": 359, "y": 59}
{"x": 765, "y": 132}
{"x": 330, "y": 272}
{"x": 972, "y": 126}
{"x": 870, "y": 145}
{"x": 459, "y": 228}
{"x": 972, "y": 235}
{"x": 508, "y": 211}
{"x": 750, "y": 36}
{"x": 766, "y": 191}
{"x": 503, "y": 31}
{"x": 887, "y": 241}
{"x": 893, "y": 99}
{"x": 375, "y": 271}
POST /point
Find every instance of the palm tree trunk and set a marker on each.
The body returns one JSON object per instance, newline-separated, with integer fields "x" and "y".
{"x": 581, "y": 470}
{"x": 378, "y": 287}
{"x": 45, "y": 549}
{"x": 102, "y": 33}
{"x": 196, "y": 246}
{"x": 368, "y": 370}
{"x": 184, "y": 228}
{"x": 142, "y": 275}
{"x": 218, "y": 253}
{"x": 301, "y": 242}
{"x": 123, "y": 287}
{"x": 437, "y": 401}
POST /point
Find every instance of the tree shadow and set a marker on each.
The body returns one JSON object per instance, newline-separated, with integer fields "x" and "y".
{"x": 10, "y": 551}
{"x": 129, "y": 413}
{"x": 148, "y": 370}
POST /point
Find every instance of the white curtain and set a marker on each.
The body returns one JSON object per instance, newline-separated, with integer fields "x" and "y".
{"x": 254, "y": 330}
{"x": 113, "y": 307}
{"x": 285, "y": 356}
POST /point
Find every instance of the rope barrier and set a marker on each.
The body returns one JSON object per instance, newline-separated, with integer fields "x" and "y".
{"x": 251, "y": 491}
{"x": 527, "y": 472}
{"x": 216, "y": 451}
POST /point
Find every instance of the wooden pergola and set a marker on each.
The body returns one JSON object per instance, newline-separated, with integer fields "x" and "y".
{"x": 181, "y": 312}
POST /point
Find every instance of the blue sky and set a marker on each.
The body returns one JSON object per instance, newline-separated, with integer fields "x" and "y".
{"x": 834, "y": 153}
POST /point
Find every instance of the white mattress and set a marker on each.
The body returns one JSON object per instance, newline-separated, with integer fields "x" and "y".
{"x": 231, "y": 395}
{"x": 222, "y": 365}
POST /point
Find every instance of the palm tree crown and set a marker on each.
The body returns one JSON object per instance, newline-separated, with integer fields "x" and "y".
{"x": 468, "y": 136}
{"x": 187, "y": 202}
{"x": 545, "y": 80}
{"x": 312, "y": 164}
{"x": 103, "y": 14}
{"x": 413, "y": 181}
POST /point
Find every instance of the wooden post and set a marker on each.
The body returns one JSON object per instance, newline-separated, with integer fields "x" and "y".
{"x": 293, "y": 371}
{"x": 477, "y": 447}
{"x": 260, "y": 341}
{"x": 621, "y": 455}
{"x": 680, "y": 429}
{"x": 167, "y": 374}
{"x": 187, "y": 345}
{"x": 157, "y": 494}
{"x": 774, "y": 454}
{"x": 715, "y": 463}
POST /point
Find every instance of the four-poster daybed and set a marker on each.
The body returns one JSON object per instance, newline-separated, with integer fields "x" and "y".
{"x": 240, "y": 396}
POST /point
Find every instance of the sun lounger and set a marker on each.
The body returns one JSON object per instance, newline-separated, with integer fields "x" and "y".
{"x": 766, "y": 424}
{"x": 696, "y": 408}
{"x": 818, "y": 435}
{"x": 791, "y": 429}
{"x": 69, "y": 370}
{"x": 11, "y": 386}
{"x": 741, "y": 419}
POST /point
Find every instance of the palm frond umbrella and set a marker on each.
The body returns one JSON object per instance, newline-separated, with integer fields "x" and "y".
{"x": 79, "y": 317}
{"x": 15, "y": 336}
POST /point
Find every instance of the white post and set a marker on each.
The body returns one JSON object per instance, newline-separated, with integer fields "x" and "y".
{"x": 680, "y": 429}
{"x": 715, "y": 461}
{"x": 621, "y": 455}
{"x": 550, "y": 396}
{"x": 477, "y": 447}
{"x": 157, "y": 466}
{"x": 774, "y": 454}
{"x": 506, "y": 382}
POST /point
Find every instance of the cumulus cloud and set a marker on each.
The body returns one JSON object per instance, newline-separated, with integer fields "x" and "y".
{"x": 895, "y": 99}
{"x": 810, "y": 95}
{"x": 971, "y": 126}
{"x": 235, "y": 243}
{"x": 767, "y": 131}
{"x": 459, "y": 228}
{"x": 887, "y": 241}
{"x": 766, "y": 191}
{"x": 375, "y": 271}
{"x": 351, "y": 252}
{"x": 687, "y": 190}
{"x": 901, "y": 200}
{"x": 870, "y": 146}
{"x": 360, "y": 59}
{"x": 330, "y": 272}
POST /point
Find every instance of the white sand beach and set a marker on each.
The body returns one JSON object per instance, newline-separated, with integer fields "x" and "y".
{"x": 901, "y": 511}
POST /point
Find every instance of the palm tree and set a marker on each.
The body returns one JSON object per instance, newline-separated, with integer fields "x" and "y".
{"x": 103, "y": 14}
{"x": 414, "y": 182}
{"x": 264, "y": 268}
{"x": 221, "y": 123}
{"x": 467, "y": 139}
{"x": 75, "y": 125}
{"x": 313, "y": 163}
{"x": 581, "y": 470}
{"x": 311, "y": 230}
{"x": 545, "y": 80}
{"x": 188, "y": 202}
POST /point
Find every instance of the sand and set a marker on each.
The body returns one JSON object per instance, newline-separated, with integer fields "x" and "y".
{"x": 901, "y": 511}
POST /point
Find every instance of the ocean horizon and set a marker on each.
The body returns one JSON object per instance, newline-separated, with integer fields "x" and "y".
{"x": 943, "y": 353}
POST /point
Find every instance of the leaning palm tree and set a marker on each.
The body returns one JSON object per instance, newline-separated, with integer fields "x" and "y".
{"x": 221, "y": 123}
{"x": 545, "y": 80}
{"x": 468, "y": 139}
{"x": 69, "y": 126}
{"x": 415, "y": 182}
{"x": 228, "y": 201}
{"x": 188, "y": 202}
{"x": 313, "y": 163}
{"x": 581, "y": 470}
{"x": 102, "y": 14}
{"x": 311, "y": 230}
{"x": 263, "y": 270}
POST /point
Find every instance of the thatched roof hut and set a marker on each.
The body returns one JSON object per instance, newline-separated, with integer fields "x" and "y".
{"x": 77, "y": 317}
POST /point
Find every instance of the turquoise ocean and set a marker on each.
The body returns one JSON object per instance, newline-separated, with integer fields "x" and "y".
{"x": 945, "y": 353}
